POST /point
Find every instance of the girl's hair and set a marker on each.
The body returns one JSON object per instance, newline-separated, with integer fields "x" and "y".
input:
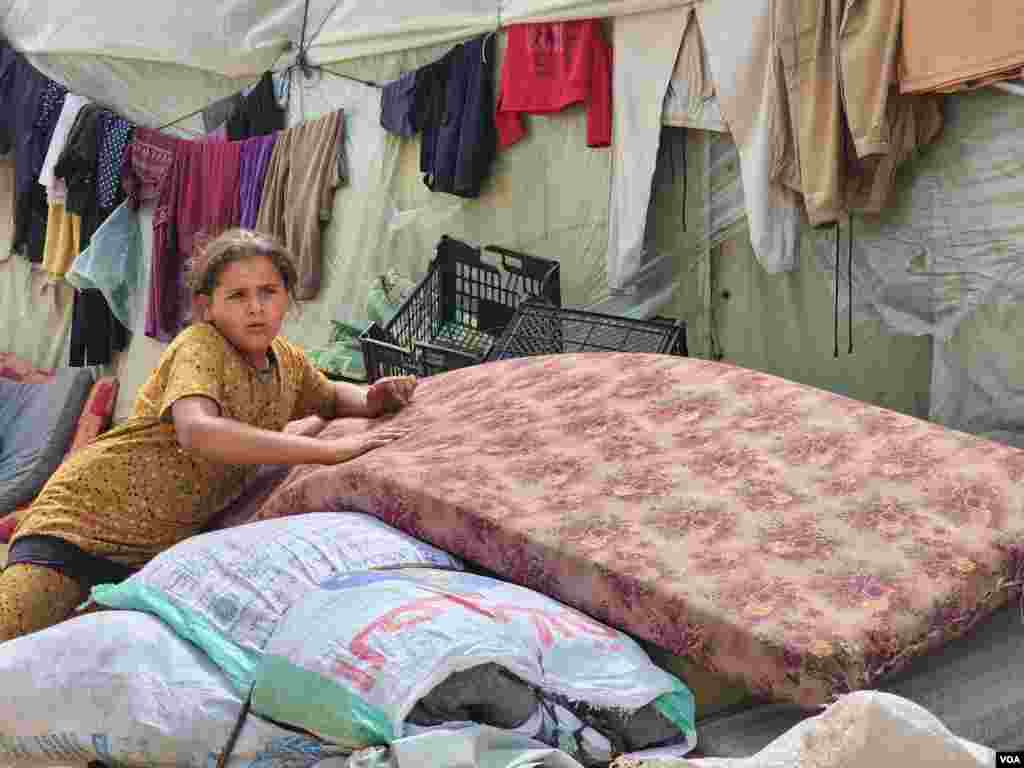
{"x": 211, "y": 258}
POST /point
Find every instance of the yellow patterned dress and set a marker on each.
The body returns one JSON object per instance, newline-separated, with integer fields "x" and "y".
{"x": 134, "y": 492}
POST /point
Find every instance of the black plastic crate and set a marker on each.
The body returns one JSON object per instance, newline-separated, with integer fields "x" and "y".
{"x": 453, "y": 316}
{"x": 542, "y": 329}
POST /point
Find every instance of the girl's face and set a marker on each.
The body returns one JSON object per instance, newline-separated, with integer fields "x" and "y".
{"x": 248, "y": 306}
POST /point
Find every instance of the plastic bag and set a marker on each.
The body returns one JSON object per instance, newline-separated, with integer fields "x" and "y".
{"x": 386, "y": 296}
{"x": 227, "y": 591}
{"x": 122, "y": 688}
{"x": 865, "y": 728}
{"x": 352, "y": 659}
{"x": 343, "y": 355}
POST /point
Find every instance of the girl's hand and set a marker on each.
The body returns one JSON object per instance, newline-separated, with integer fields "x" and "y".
{"x": 390, "y": 394}
{"x": 311, "y": 426}
{"x": 345, "y": 448}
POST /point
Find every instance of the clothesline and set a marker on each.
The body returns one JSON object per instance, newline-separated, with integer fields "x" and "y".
{"x": 195, "y": 112}
{"x": 285, "y": 73}
{"x": 203, "y": 187}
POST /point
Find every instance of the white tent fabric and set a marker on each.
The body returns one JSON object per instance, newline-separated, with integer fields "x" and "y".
{"x": 948, "y": 252}
{"x": 949, "y": 242}
{"x": 239, "y": 38}
{"x": 35, "y": 318}
{"x": 200, "y": 51}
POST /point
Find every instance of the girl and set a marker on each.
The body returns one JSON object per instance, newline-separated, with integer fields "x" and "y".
{"x": 215, "y": 406}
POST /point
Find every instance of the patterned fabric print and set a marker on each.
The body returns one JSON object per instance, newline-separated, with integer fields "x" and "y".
{"x": 113, "y": 143}
{"x": 33, "y": 597}
{"x": 146, "y": 164}
{"x": 49, "y": 112}
{"x": 803, "y": 542}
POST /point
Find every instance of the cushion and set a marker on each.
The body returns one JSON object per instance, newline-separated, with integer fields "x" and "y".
{"x": 97, "y": 412}
{"x": 94, "y": 420}
{"x": 791, "y": 539}
{"x": 37, "y": 421}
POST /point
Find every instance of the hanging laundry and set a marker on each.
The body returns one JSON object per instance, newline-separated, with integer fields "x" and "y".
{"x": 21, "y": 92}
{"x": 259, "y": 114}
{"x": 208, "y": 200}
{"x": 200, "y": 200}
{"x": 63, "y": 241}
{"x": 298, "y": 193}
{"x": 741, "y": 58}
{"x": 114, "y": 139}
{"x": 255, "y": 159}
{"x": 146, "y": 165}
{"x": 965, "y": 45}
{"x": 913, "y": 122}
{"x": 146, "y": 171}
{"x": 551, "y": 65}
{"x": 36, "y": 212}
{"x": 455, "y": 110}
{"x": 648, "y": 45}
{"x": 63, "y": 229}
{"x": 398, "y": 106}
{"x": 113, "y": 264}
{"x": 429, "y": 107}
{"x": 96, "y": 335}
{"x": 216, "y": 115}
{"x": 56, "y": 190}
{"x": 839, "y": 63}
{"x": 690, "y": 101}
{"x": 77, "y": 167}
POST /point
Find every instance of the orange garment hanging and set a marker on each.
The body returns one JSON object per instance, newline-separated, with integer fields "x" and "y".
{"x": 952, "y": 45}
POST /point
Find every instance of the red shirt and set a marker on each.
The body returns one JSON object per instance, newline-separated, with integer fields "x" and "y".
{"x": 549, "y": 66}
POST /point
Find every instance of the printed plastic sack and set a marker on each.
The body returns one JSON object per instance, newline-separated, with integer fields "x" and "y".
{"x": 226, "y": 591}
{"x": 352, "y": 659}
{"x": 122, "y": 688}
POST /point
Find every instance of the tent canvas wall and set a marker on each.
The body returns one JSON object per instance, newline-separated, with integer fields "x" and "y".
{"x": 547, "y": 195}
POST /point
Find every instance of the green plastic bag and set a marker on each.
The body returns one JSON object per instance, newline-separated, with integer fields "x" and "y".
{"x": 343, "y": 355}
{"x": 386, "y": 296}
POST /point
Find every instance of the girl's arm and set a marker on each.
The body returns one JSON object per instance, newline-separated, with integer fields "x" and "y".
{"x": 202, "y": 430}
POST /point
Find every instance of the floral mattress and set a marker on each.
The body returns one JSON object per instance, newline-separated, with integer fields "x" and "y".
{"x": 802, "y": 542}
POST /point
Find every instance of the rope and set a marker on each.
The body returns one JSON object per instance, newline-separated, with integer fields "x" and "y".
{"x": 327, "y": 17}
{"x": 849, "y": 284}
{"x": 202, "y": 109}
{"x": 835, "y": 312}
{"x": 305, "y": 24}
{"x": 369, "y": 83}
